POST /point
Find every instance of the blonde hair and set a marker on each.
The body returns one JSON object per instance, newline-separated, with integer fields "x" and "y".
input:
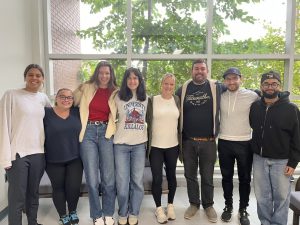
{"x": 167, "y": 75}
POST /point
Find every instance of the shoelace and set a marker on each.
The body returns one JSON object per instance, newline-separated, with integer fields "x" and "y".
{"x": 65, "y": 219}
{"x": 244, "y": 213}
{"x": 227, "y": 209}
{"x": 73, "y": 216}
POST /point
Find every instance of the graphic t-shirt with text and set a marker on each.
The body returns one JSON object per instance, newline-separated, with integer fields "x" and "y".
{"x": 131, "y": 124}
{"x": 198, "y": 111}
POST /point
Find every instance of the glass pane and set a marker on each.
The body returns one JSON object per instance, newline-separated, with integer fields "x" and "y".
{"x": 173, "y": 27}
{"x": 251, "y": 70}
{"x": 297, "y": 102}
{"x": 154, "y": 70}
{"x": 88, "y": 27}
{"x": 254, "y": 27}
{"x": 297, "y": 34}
{"x": 296, "y": 79}
{"x": 71, "y": 73}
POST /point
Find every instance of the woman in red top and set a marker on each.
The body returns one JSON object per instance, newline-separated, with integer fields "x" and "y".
{"x": 96, "y": 147}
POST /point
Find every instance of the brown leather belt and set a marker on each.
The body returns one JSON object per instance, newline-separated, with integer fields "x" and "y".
{"x": 202, "y": 138}
{"x": 97, "y": 122}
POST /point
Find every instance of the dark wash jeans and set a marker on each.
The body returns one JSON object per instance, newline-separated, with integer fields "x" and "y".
{"x": 229, "y": 151}
{"x": 202, "y": 155}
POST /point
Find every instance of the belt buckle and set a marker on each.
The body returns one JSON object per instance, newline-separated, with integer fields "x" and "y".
{"x": 97, "y": 123}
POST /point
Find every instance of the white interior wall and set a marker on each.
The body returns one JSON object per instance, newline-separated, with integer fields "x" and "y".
{"x": 20, "y": 45}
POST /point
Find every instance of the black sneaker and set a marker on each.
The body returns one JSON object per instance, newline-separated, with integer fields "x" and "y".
{"x": 227, "y": 213}
{"x": 243, "y": 217}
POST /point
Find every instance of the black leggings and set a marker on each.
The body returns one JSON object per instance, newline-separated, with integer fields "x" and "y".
{"x": 66, "y": 181}
{"x": 158, "y": 157}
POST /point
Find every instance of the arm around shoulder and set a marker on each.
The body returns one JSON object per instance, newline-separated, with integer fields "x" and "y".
{"x": 77, "y": 93}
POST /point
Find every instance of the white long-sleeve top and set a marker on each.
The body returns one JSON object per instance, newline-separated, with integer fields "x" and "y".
{"x": 234, "y": 114}
{"x": 21, "y": 124}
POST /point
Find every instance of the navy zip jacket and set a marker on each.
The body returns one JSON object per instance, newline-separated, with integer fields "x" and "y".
{"x": 276, "y": 129}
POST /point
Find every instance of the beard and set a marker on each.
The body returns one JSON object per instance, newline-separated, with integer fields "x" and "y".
{"x": 270, "y": 96}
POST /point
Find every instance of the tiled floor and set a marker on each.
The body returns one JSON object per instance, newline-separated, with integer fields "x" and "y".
{"x": 48, "y": 216}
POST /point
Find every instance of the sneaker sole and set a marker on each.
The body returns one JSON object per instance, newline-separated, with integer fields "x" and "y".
{"x": 226, "y": 221}
{"x": 212, "y": 221}
{"x": 189, "y": 217}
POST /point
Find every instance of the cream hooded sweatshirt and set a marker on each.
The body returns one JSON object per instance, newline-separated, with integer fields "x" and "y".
{"x": 234, "y": 114}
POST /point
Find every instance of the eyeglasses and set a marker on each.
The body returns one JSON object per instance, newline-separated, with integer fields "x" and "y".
{"x": 64, "y": 98}
{"x": 273, "y": 85}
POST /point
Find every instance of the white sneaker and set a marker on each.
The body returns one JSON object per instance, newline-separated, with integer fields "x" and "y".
{"x": 160, "y": 215}
{"x": 171, "y": 212}
{"x": 132, "y": 220}
{"x": 122, "y": 220}
{"x": 109, "y": 220}
{"x": 99, "y": 221}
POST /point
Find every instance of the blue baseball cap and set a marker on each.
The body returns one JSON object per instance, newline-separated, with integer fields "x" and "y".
{"x": 232, "y": 70}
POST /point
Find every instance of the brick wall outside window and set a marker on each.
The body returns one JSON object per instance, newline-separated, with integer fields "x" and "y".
{"x": 65, "y": 21}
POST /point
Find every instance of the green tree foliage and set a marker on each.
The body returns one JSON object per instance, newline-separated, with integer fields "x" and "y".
{"x": 168, "y": 26}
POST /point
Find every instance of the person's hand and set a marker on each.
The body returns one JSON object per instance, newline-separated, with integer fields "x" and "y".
{"x": 288, "y": 171}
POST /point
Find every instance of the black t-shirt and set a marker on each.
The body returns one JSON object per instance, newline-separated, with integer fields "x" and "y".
{"x": 198, "y": 111}
{"x": 61, "y": 136}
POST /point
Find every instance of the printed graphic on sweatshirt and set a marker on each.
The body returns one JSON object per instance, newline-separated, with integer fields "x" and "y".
{"x": 135, "y": 116}
{"x": 197, "y": 98}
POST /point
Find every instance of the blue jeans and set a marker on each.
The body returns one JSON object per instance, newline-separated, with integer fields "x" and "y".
{"x": 272, "y": 188}
{"x": 130, "y": 164}
{"x": 97, "y": 157}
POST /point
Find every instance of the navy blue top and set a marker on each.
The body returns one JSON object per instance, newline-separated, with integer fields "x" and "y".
{"x": 61, "y": 136}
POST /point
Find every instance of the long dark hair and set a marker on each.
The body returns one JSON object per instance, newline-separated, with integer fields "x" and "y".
{"x": 112, "y": 84}
{"x": 35, "y": 66}
{"x": 125, "y": 94}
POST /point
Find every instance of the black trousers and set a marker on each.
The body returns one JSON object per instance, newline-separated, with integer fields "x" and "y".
{"x": 66, "y": 180}
{"x": 229, "y": 152}
{"x": 158, "y": 157}
{"x": 23, "y": 188}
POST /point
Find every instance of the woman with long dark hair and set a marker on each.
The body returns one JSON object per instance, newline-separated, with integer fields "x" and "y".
{"x": 96, "y": 140}
{"x": 129, "y": 145}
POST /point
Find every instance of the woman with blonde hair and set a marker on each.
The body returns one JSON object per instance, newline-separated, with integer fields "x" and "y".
{"x": 162, "y": 118}
{"x": 63, "y": 164}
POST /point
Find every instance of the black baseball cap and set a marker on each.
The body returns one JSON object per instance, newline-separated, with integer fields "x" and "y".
{"x": 270, "y": 75}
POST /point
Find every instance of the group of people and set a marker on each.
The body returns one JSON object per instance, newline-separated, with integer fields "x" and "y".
{"x": 108, "y": 132}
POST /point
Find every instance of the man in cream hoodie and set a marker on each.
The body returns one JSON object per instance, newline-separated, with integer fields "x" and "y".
{"x": 233, "y": 144}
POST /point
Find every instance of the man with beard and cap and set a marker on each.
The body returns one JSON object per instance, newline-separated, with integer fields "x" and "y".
{"x": 234, "y": 143}
{"x": 276, "y": 146}
{"x": 199, "y": 124}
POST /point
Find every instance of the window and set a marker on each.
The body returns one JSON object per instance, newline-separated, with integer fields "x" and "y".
{"x": 165, "y": 36}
